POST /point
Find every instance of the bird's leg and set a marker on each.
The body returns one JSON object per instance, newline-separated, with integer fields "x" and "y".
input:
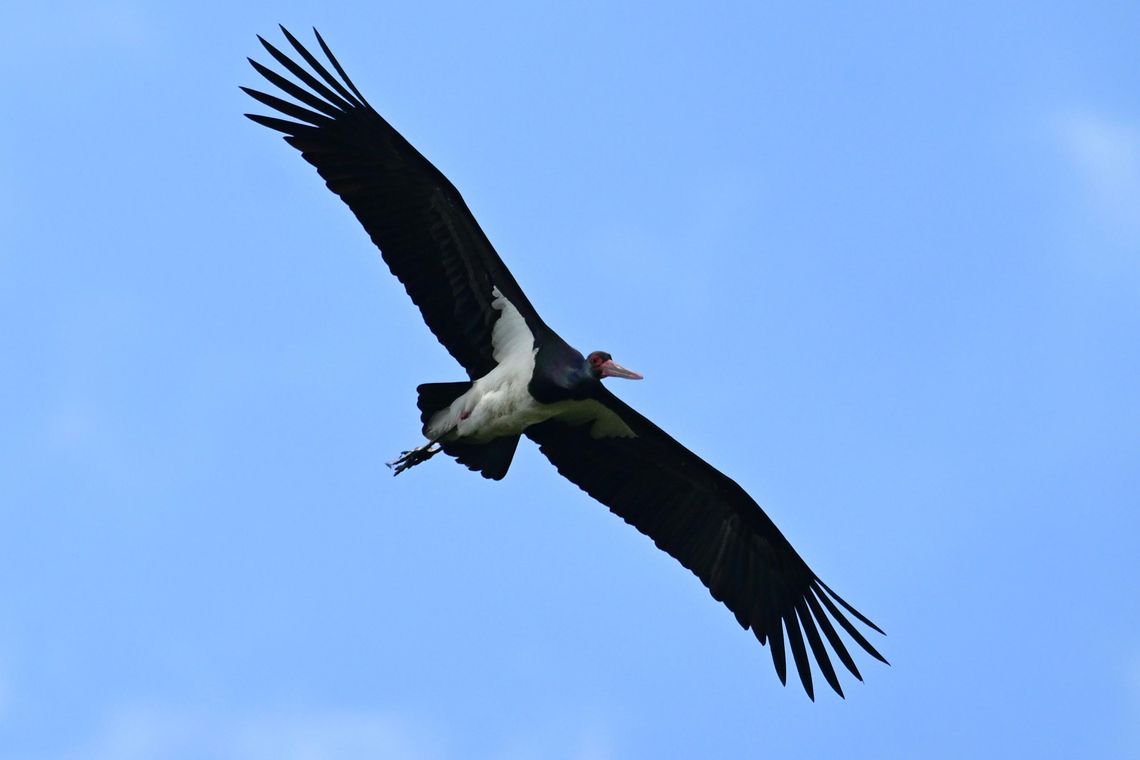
{"x": 415, "y": 456}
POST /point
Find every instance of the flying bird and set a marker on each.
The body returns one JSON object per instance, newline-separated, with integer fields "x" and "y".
{"x": 525, "y": 380}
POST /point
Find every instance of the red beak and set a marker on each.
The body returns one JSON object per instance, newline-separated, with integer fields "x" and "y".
{"x": 613, "y": 369}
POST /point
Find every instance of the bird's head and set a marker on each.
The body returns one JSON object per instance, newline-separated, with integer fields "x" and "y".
{"x": 603, "y": 365}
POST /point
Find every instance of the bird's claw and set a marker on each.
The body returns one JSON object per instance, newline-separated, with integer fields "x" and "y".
{"x": 413, "y": 457}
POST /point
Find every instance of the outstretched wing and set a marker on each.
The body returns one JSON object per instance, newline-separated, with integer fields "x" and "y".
{"x": 425, "y": 232}
{"x": 713, "y": 527}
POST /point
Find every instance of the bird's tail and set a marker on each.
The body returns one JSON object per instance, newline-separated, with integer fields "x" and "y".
{"x": 435, "y": 397}
{"x": 490, "y": 459}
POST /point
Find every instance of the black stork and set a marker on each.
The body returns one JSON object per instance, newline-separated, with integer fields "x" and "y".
{"x": 525, "y": 380}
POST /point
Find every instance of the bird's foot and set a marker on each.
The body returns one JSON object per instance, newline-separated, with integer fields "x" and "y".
{"x": 415, "y": 456}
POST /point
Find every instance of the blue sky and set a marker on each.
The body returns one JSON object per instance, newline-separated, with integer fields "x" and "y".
{"x": 879, "y": 264}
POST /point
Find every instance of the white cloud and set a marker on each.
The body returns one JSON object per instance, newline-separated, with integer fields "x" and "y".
{"x": 5, "y": 697}
{"x": 1131, "y": 728}
{"x": 331, "y": 736}
{"x": 80, "y": 435}
{"x": 581, "y": 739}
{"x": 1105, "y": 156}
{"x": 65, "y": 29}
{"x": 148, "y": 732}
{"x": 135, "y": 733}
{"x": 156, "y": 732}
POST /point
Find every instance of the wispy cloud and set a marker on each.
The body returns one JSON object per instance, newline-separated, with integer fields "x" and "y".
{"x": 35, "y": 33}
{"x": 135, "y": 733}
{"x": 148, "y": 732}
{"x": 345, "y": 735}
{"x": 581, "y": 741}
{"x": 1131, "y": 729}
{"x": 1104, "y": 153}
{"x": 5, "y": 697}
{"x": 151, "y": 731}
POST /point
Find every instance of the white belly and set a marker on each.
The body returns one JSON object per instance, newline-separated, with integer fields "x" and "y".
{"x": 499, "y": 404}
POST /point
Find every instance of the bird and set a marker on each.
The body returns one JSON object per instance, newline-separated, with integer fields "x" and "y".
{"x": 524, "y": 380}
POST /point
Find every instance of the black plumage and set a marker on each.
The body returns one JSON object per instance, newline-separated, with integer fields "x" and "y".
{"x": 432, "y": 243}
{"x": 425, "y": 232}
{"x": 708, "y": 523}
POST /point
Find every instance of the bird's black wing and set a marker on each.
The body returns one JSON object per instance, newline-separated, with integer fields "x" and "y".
{"x": 711, "y": 526}
{"x": 425, "y": 232}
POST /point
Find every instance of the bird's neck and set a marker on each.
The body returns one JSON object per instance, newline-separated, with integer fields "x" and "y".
{"x": 561, "y": 373}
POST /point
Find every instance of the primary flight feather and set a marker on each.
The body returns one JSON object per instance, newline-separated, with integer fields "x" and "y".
{"x": 525, "y": 380}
